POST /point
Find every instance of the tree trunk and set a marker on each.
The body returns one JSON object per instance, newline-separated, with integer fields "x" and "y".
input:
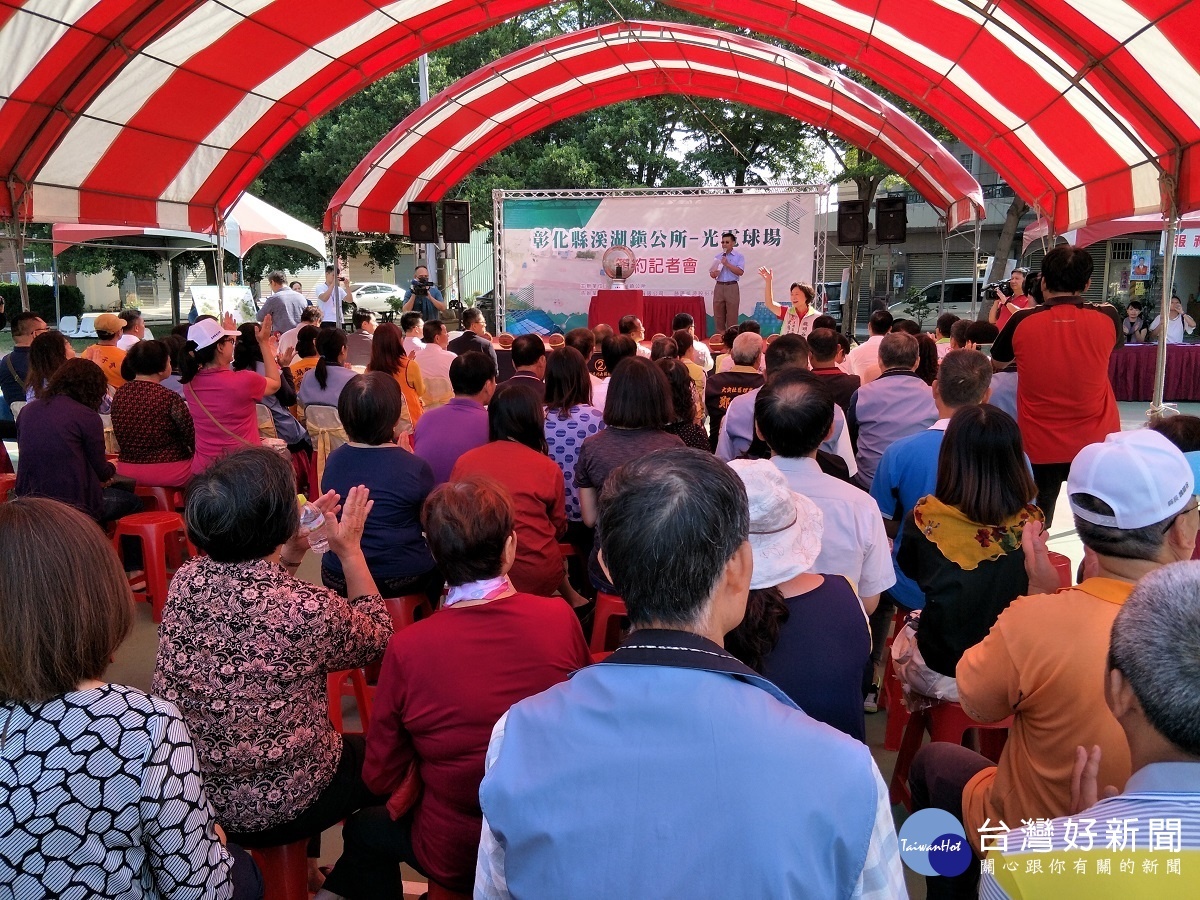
{"x": 210, "y": 268}
{"x": 1004, "y": 243}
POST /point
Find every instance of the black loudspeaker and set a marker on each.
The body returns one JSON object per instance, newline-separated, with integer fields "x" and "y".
{"x": 456, "y": 221}
{"x": 852, "y": 222}
{"x": 891, "y": 220}
{"x": 422, "y": 223}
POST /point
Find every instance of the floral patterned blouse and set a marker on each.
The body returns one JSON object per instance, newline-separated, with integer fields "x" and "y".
{"x": 244, "y": 651}
{"x": 564, "y": 437}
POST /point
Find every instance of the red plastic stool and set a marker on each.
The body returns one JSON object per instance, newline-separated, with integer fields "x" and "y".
{"x": 162, "y": 535}
{"x": 404, "y": 610}
{"x": 945, "y": 722}
{"x": 606, "y": 622}
{"x": 891, "y": 693}
{"x": 349, "y": 683}
{"x": 159, "y": 499}
{"x": 437, "y": 892}
{"x": 8, "y": 481}
{"x": 284, "y": 870}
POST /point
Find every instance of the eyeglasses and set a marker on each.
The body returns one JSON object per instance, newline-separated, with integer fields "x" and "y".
{"x": 1183, "y": 512}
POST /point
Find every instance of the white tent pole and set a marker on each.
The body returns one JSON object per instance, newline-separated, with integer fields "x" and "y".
{"x": 1157, "y": 408}
{"x": 221, "y": 266}
{"x": 945, "y": 237}
{"x": 975, "y": 269}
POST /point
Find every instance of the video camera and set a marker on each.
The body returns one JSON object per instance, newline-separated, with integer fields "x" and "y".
{"x": 420, "y": 287}
{"x": 994, "y": 290}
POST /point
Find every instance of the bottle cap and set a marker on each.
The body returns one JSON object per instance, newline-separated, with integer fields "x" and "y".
{"x": 302, "y": 500}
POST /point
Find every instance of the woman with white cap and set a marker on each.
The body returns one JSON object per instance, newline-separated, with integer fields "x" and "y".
{"x": 221, "y": 400}
{"x": 805, "y": 631}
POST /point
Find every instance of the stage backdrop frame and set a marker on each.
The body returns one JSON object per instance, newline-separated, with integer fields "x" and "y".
{"x": 751, "y": 283}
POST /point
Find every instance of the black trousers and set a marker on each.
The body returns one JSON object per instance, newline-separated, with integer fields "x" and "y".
{"x": 430, "y": 584}
{"x": 1049, "y": 478}
{"x": 938, "y": 775}
{"x": 373, "y": 847}
{"x": 345, "y": 794}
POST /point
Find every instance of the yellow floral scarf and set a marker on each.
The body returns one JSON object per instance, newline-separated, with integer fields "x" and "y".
{"x": 968, "y": 543}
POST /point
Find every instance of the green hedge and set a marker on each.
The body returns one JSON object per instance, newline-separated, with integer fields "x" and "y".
{"x": 41, "y": 300}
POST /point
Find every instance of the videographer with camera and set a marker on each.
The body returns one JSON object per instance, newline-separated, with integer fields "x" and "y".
{"x": 331, "y": 297}
{"x": 1006, "y": 302}
{"x": 424, "y": 296}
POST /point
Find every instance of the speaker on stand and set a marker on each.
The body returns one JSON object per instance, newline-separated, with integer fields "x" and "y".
{"x": 422, "y": 223}
{"x": 891, "y": 220}
{"x": 851, "y": 223}
{"x": 456, "y": 221}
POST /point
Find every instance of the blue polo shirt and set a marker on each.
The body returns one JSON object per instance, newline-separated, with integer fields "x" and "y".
{"x": 907, "y": 472}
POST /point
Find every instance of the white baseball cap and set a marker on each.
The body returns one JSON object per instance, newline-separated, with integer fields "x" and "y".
{"x": 206, "y": 332}
{"x": 1140, "y": 474}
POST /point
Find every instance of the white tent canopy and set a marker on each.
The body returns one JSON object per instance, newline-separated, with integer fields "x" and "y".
{"x": 251, "y": 222}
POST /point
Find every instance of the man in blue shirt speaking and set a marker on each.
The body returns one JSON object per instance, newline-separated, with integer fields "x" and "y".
{"x": 727, "y": 269}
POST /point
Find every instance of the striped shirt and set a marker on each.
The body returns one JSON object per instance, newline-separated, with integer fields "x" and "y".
{"x": 1142, "y": 843}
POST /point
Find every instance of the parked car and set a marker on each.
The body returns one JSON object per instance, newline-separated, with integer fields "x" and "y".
{"x": 374, "y": 295}
{"x": 958, "y": 301}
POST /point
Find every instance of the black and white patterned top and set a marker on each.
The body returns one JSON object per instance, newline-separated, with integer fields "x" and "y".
{"x": 101, "y": 796}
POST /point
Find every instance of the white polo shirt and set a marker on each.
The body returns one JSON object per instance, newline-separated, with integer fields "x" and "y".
{"x": 853, "y": 543}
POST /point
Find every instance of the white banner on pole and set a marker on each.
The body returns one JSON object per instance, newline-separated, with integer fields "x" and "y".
{"x": 552, "y": 247}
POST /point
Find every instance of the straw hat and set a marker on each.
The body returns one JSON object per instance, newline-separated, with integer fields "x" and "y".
{"x": 785, "y": 527}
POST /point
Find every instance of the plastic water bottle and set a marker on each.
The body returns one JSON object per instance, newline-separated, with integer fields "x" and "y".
{"x": 312, "y": 523}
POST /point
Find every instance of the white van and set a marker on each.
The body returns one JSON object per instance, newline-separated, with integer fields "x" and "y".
{"x": 958, "y": 300}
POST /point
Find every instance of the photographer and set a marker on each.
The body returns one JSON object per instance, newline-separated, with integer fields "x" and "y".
{"x": 331, "y": 297}
{"x": 424, "y": 296}
{"x": 1004, "y": 306}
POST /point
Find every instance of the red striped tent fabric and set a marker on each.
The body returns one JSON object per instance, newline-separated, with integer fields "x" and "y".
{"x": 432, "y": 149}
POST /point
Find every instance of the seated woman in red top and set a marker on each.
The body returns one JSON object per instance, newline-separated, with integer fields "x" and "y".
{"x": 516, "y": 456}
{"x": 151, "y": 423}
{"x": 445, "y": 683}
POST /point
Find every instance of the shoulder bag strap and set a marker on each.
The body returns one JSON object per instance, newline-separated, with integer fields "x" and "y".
{"x": 193, "y": 396}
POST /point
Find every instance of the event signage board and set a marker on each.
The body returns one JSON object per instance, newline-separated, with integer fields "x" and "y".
{"x": 552, "y": 247}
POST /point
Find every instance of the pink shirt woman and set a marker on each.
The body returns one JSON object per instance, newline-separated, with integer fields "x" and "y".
{"x": 220, "y": 400}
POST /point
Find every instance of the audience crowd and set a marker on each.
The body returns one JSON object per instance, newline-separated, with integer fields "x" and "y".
{"x": 769, "y": 517}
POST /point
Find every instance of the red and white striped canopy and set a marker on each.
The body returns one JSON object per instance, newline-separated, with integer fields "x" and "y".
{"x": 442, "y": 141}
{"x": 161, "y": 112}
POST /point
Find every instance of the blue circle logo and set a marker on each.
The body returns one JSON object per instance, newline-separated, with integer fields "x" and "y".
{"x": 932, "y": 842}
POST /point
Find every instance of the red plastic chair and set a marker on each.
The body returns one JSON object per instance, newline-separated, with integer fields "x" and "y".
{"x": 606, "y": 622}
{"x": 944, "y": 722}
{"x": 163, "y": 538}
{"x": 159, "y": 499}
{"x": 404, "y": 610}
{"x": 891, "y": 694}
{"x": 349, "y": 683}
{"x": 8, "y": 481}
{"x": 284, "y": 870}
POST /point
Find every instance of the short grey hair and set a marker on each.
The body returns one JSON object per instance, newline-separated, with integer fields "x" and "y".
{"x": 747, "y": 347}
{"x": 898, "y": 350}
{"x": 1124, "y": 543}
{"x": 1156, "y": 646}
